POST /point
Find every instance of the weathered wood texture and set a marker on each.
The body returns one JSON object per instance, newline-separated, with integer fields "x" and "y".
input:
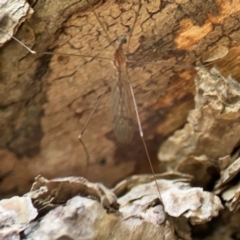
{"x": 73, "y": 208}
{"x": 46, "y": 99}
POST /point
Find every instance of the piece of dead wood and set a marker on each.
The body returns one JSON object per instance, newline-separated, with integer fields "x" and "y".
{"x": 208, "y": 145}
{"x": 79, "y": 210}
{"x": 49, "y": 193}
{"x": 212, "y": 131}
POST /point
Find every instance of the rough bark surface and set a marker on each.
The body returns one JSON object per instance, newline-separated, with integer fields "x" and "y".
{"x": 46, "y": 99}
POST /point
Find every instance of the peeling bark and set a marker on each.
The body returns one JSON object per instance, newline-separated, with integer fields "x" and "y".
{"x": 141, "y": 215}
{"x": 212, "y": 132}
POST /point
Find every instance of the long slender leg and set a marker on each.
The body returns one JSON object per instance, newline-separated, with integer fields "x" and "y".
{"x": 143, "y": 140}
{"x": 85, "y": 126}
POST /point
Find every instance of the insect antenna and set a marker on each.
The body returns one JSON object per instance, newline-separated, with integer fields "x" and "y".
{"x": 135, "y": 21}
{"x": 100, "y": 22}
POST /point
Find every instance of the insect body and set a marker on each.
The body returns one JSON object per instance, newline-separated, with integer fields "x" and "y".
{"x": 121, "y": 99}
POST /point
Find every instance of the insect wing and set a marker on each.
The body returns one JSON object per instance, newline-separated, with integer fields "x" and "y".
{"x": 122, "y": 109}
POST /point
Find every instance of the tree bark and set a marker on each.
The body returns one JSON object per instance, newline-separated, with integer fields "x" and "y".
{"x": 45, "y": 99}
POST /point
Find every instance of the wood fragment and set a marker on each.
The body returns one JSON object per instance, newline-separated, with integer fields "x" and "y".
{"x": 140, "y": 216}
{"x": 212, "y": 131}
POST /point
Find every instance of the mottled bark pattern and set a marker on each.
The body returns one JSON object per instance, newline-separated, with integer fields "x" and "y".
{"x": 46, "y": 99}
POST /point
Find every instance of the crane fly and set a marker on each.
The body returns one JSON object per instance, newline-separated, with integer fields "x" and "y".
{"x": 121, "y": 94}
{"x": 123, "y": 99}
